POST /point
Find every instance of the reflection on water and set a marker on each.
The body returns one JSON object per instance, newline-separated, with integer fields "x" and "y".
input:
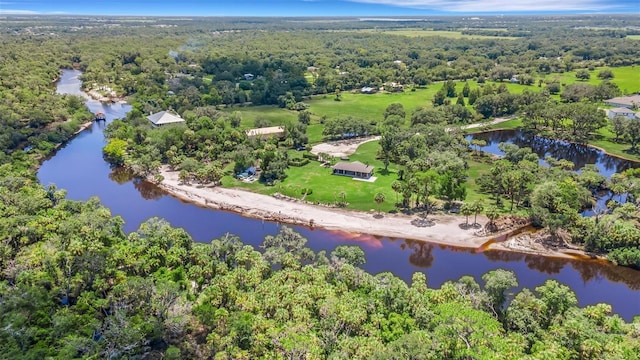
{"x": 580, "y": 155}
{"x": 121, "y": 175}
{"x": 148, "y": 190}
{"x": 422, "y": 255}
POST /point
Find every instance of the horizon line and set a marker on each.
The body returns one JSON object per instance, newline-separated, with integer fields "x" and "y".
{"x": 367, "y": 17}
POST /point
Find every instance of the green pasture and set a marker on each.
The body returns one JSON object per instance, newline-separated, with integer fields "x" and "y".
{"x": 370, "y": 106}
{"x": 633, "y": 37}
{"x": 275, "y": 115}
{"x": 626, "y": 77}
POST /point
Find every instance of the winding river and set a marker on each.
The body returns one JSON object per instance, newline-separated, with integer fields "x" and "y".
{"x": 79, "y": 168}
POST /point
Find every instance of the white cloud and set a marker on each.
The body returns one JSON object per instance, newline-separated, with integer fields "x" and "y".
{"x": 17, "y": 12}
{"x": 496, "y": 6}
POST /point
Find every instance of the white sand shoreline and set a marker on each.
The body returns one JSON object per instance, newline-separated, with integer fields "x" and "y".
{"x": 446, "y": 230}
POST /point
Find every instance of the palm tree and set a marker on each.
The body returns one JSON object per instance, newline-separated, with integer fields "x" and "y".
{"x": 477, "y": 206}
{"x": 466, "y": 210}
{"x": 397, "y": 187}
{"x": 379, "y": 199}
{"x": 493, "y": 214}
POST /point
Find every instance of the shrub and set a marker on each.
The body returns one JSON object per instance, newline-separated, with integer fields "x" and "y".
{"x": 298, "y": 162}
{"x": 310, "y": 156}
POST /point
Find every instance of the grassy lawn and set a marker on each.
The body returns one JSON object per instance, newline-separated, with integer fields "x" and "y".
{"x": 275, "y": 115}
{"x": 314, "y": 132}
{"x": 607, "y": 143}
{"x": 633, "y": 37}
{"x": 626, "y": 77}
{"x": 327, "y": 187}
{"x": 359, "y": 194}
{"x": 370, "y": 106}
{"x": 476, "y": 169}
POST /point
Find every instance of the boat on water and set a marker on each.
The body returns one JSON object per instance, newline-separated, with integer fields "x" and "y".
{"x": 100, "y": 116}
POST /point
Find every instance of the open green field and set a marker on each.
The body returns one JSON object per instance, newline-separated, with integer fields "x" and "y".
{"x": 431, "y": 33}
{"x": 633, "y": 37}
{"x": 370, "y": 106}
{"x": 275, "y": 115}
{"x": 626, "y": 77}
{"x": 327, "y": 187}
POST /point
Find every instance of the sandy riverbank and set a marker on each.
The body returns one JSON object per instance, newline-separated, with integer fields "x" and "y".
{"x": 445, "y": 230}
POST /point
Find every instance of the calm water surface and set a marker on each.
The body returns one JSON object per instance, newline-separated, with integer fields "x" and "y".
{"x": 79, "y": 168}
{"x": 578, "y": 154}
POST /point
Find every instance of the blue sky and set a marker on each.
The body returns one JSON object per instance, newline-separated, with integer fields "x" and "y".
{"x": 315, "y": 7}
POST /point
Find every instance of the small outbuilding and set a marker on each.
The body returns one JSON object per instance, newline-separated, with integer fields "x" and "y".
{"x": 353, "y": 169}
{"x": 164, "y": 118}
{"x": 266, "y": 132}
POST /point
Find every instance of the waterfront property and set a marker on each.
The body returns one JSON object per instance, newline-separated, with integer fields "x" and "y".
{"x": 164, "y": 118}
{"x": 354, "y": 169}
{"x": 402, "y": 257}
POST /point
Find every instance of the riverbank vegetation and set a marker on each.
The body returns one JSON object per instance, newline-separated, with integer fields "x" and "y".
{"x": 74, "y": 285}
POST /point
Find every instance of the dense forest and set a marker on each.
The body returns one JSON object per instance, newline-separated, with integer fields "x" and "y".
{"x": 74, "y": 285}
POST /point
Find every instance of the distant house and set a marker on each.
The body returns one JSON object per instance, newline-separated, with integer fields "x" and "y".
{"x": 353, "y": 169}
{"x": 248, "y": 76}
{"x": 266, "y": 132}
{"x": 629, "y": 102}
{"x": 368, "y": 90}
{"x": 393, "y": 87}
{"x": 515, "y": 79}
{"x": 164, "y": 118}
{"x": 621, "y": 111}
